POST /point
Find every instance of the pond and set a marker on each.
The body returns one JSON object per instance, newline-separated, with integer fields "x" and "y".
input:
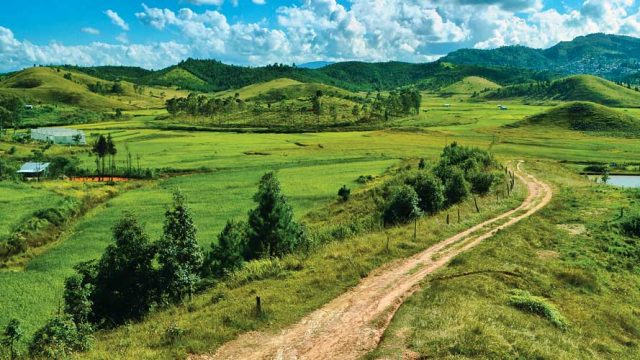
{"x": 630, "y": 181}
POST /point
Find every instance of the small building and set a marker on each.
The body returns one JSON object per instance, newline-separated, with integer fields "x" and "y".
{"x": 502, "y": 107}
{"x": 64, "y": 136}
{"x": 33, "y": 170}
{"x": 28, "y": 107}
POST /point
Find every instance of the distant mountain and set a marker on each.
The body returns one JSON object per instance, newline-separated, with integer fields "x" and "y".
{"x": 212, "y": 75}
{"x": 315, "y": 64}
{"x": 614, "y": 57}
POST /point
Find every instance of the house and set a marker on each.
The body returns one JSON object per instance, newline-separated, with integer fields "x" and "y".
{"x": 502, "y": 107}
{"x": 62, "y": 136}
{"x": 28, "y": 107}
{"x": 33, "y": 170}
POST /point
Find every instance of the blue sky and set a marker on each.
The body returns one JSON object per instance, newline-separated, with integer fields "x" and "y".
{"x": 158, "y": 33}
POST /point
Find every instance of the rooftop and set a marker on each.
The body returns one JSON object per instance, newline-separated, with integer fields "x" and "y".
{"x": 57, "y": 131}
{"x": 33, "y": 167}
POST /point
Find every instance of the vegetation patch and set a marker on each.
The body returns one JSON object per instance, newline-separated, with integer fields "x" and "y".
{"x": 523, "y": 300}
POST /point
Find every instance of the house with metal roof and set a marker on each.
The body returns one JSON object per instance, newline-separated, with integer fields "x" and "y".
{"x": 33, "y": 170}
{"x": 63, "y": 136}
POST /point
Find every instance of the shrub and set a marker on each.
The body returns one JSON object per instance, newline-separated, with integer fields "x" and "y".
{"x": 173, "y": 334}
{"x": 457, "y": 188}
{"x": 59, "y": 337}
{"x": 430, "y": 191}
{"x": 52, "y": 215}
{"x": 344, "y": 193}
{"x": 481, "y": 182}
{"x": 402, "y": 206}
{"x": 524, "y": 301}
{"x": 631, "y": 225}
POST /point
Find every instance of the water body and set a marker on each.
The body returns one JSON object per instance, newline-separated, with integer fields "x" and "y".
{"x": 629, "y": 181}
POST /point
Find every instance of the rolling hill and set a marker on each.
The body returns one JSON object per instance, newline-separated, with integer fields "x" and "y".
{"x": 586, "y": 117}
{"x": 45, "y": 85}
{"x": 470, "y": 85}
{"x": 573, "y": 88}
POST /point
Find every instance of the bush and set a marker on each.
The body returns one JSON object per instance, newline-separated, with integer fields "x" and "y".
{"x": 631, "y": 225}
{"x": 481, "y": 182}
{"x": 524, "y": 301}
{"x": 344, "y": 193}
{"x": 402, "y": 206}
{"x": 59, "y": 337}
{"x": 430, "y": 191}
{"x": 52, "y": 215}
{"x": 457, "y": 188}
{"x": 598, "y": 169}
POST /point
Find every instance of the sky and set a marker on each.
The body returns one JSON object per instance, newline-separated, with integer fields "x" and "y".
{"x": 159, "y": 33}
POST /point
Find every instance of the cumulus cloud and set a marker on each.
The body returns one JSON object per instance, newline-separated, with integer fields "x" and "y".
{"x": 90, "y": 30}
{"x": 117, "y": 20}
{"x": 369, "y": 30}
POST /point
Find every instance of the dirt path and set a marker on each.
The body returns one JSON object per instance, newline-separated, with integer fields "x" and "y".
{"x": 352, "y": 324}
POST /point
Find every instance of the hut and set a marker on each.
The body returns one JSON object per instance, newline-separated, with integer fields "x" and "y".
{"x": 62, "y": 136}
{"x": 33, "y": 170}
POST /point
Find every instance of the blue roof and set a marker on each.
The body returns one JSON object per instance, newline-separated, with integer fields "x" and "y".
{"x": 33, "y": 167}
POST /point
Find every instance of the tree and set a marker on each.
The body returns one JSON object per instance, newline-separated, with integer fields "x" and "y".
{"x": 344, "y": 193}
{"x": 272, "y": 229}
{"x": 77, "y": 299}
{"x": 605, "y": 176}
{"x": 111, "y": 151}
{"x": 125, "y": 280}
{"x": 5, "y": 118}
{"x": 481, "y": 182}
{"x": 227, "y": 254}
{"x": 100, "y": 150}
{"x": 456, "y": 186}
{"x": 179, "y": 254}
{"x": 12, "y": 335}
{"x": 402, "y": 207}
{"x": 58, "y": 338}
{"x": 422, "y": 164}
{"x": 430, "y": 191}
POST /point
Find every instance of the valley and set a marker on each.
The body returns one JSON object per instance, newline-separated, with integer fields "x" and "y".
{"x": 434, "y": 210}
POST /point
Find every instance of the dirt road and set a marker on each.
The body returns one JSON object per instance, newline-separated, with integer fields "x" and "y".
{"x": 352, "y": 324}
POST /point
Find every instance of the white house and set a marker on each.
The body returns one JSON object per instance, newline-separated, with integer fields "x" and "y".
{"x": 33, "y": 170}
{"x": 63, "y": 136}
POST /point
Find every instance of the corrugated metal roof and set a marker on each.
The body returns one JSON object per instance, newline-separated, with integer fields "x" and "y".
{"x": 33, "y": 167}
{"x": 57, "y": 131}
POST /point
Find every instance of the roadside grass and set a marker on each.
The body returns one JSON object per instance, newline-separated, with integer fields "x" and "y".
{"x": 289, "y": 289}
{"x": 564, "y": 302}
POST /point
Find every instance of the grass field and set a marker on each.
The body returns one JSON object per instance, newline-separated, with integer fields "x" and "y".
{"x": 568, "y": 257}
{"x": 223, "y": 169}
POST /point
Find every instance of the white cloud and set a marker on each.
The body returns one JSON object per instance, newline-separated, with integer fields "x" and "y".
{"x": 369, "y": 30}
{"x": 259, "y": 2}
{"x": 117, "y": 20}
{"x": 90, "y": 30}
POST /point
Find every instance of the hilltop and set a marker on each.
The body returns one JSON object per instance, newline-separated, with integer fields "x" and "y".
{"x": 470, "y": 85}
{"x": 612, "y": 56}
{"x": 573, "y": 88}
{"x": 47, "y": 85}
{"x": 587, "y": 117}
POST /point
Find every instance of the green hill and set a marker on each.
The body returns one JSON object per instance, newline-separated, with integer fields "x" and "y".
{"x": 587, "y": 117}
{"x": 255, "y": 90}
{"x": 470, "y": 85}
{"x": 44, "y": 85}
{"x": 573, "y": 88}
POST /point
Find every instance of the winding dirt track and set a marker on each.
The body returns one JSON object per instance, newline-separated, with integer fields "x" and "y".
{"x": 352, "y": 324}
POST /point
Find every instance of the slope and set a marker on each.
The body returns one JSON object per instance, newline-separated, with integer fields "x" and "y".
{"x": 45, "y": 85}
{"x": 587, "y": 117}
{"x": 470, "y": 85}
{"x": 573, "y": 88}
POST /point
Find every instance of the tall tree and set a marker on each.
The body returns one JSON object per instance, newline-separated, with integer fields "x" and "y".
{"x": 111, "y": 151}
{"x": 227, "y": 253}
{"x": 272, "y": 228}
{"x": 5, "y": 118}
{"x": 179, "y": 254}
{"x": 100, "y": 150}
{"x": 124, "y": 277}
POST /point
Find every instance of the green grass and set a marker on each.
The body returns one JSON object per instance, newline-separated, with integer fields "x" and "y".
{"x": 470, "y": 85}
{"x": 587, "y": 117}
{"x": 563, "y": 303}
{"x": 20, "y": 200}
